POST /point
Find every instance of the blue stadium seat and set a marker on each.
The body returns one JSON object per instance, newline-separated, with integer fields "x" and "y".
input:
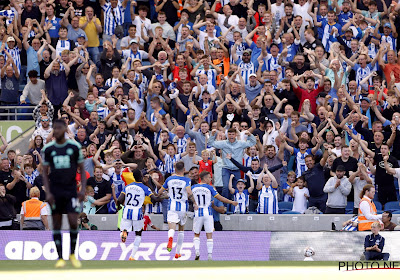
{"x": 349, "y": 211}
{"x": 392, "y": 206}
{"x": 229, "y": 213}
{"x": 379, "y": 211}
{"x": 378, "y": 205}
{"x": 285, "y": 205}
{"x": 396, "y": 212}
{"x": 291, "y": 212}
{"x": 350, "y": 205}
{"x": 252, "y": 212}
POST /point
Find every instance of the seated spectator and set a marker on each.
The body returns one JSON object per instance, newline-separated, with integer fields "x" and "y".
{"x": 374, "y": 244}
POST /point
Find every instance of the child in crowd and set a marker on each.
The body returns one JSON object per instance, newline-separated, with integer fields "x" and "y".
{"x": 89, "y": 206}
{"x": 287, "y": 187}
{"x": 241, "y": 195}
{"x": 301, "y": 195}
{"x": 206, "y": 164}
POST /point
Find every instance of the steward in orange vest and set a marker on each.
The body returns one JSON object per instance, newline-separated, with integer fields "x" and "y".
{"x": 367, "y": 214}
{"x": 34, "y": 212}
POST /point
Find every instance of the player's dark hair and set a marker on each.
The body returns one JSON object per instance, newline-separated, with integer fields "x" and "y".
{"x": 203, "y": 174}
{"x": 60, "y": 122}
{"x": 180, "y": 166}
{"x": 137, "y": 174}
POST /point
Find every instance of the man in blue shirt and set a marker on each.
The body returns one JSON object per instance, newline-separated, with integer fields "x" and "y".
{"x": 374, "y": 244}
{"x": 9, "y": 82}
{"x": 234, "y": 147}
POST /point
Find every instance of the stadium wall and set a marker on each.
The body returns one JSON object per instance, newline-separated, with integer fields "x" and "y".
{"x": 245, "y": 222}
{"x": 228, "y": 246}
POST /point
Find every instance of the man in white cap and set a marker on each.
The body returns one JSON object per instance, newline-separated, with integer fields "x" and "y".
{"x": 253, "y": 87}
{"x": 13, "y": 47}
{"x": 133, "y": 52}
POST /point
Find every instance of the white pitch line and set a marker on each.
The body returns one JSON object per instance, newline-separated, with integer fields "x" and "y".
{"x": 219, "y": 273}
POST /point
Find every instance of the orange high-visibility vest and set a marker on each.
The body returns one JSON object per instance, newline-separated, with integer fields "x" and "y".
{"x": 32, "y": 209}
{"x": 363, "y": 223}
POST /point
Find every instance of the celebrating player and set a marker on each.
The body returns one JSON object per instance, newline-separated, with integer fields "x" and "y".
{"x": 203, "y": 216}
{"x": 178, "y": 187}
{"x": 133, "y": 197}
{"x": 63, "y": 157}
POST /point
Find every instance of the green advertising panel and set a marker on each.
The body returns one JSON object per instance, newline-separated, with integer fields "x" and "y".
{"x": 11, "y": 129}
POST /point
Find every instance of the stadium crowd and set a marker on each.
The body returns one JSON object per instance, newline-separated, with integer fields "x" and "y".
{"x": 282, "y": 101}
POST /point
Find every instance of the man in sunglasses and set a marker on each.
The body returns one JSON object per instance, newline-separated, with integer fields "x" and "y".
{"x": 44, "y": 130}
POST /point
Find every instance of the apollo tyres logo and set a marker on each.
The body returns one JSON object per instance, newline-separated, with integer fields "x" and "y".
{"x": 88, "y": 250}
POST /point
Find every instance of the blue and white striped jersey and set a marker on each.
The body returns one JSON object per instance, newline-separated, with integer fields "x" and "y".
{"x": 203, "y": 195}
{"x": 135, "y": 193}
{"x": 15, "y": 53}
{"x": 268, "y": 200}
{"x": 178, "y": 197}
{"x": 242, "y": 200}
{"x": 109, "y": 21}
{"x": 170, "y": 161}
{"x": 300, "y": 161}
{"x": 63, "y": 45}
{"x": 9, "y": 14}
{"x": 247, "y": 70}
{"x": 138, "y": 55}
{"x": 211, "y": 75}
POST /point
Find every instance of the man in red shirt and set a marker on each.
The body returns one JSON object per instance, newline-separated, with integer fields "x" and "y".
{"x": 310, "y": 92}
{"x": 392, "y": 68}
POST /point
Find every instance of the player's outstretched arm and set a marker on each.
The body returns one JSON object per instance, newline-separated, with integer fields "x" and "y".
{"x": 120, "y": 200}
{"x": 225, "y": 200}
{"x": 155, "y": 199}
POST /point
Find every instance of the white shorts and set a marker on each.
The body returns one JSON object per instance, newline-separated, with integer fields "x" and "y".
{"x": 177, "y": 217}
{"x": 206, "y": 221}
{"x": 128, "y": 225}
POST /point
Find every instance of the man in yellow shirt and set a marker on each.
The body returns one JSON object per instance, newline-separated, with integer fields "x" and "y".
{"x": 92, "y": 27}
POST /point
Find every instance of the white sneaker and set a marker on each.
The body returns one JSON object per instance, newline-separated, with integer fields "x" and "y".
{"x": 209, "y": 257}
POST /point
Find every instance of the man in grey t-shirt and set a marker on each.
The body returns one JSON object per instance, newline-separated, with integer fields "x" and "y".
{"x": 188, "y": 159}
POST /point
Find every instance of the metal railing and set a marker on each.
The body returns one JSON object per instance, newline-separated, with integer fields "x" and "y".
{"x": 16, "y": 113}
